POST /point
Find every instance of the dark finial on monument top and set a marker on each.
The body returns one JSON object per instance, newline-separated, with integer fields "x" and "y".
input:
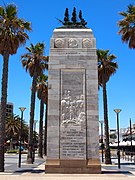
{"x": 83, "y": 22}
{"x": 80, "y": 14}
{"x": 73, "y": 23}
{"x": 74, "y": 18}
{"x": 66, "y": 18}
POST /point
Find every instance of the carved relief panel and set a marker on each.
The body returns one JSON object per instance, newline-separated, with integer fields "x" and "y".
{"x": 59, "y": 43}
{"x": 87, "y": 43}
{"x": 73, "y": 96}
{"x": 72, "y": 43}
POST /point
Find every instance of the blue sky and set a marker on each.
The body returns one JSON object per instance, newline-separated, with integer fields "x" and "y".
{"x": 102, "y": 17}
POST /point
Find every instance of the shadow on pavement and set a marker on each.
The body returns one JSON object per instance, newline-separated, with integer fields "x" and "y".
{"x": 29, "y": 171}
{"x": 117, "y": 172}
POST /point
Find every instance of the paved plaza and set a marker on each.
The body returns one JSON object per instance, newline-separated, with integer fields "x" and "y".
{"x": 36, "y": 171}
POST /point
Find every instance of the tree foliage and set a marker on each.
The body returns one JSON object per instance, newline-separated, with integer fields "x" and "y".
{"x": 12, "y": 30}
{"x": 42, "y": 88}
{"x": 35, "y": 63}
{"x": 12, "y": 36}
{"x": 106, "y": 67}
{"x": 12, "y": 128}
{"x": 42, "y": 93}
{"x": 127, "y": 26}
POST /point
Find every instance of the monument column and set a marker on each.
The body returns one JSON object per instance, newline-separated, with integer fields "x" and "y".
{"x": 72, "y": 129}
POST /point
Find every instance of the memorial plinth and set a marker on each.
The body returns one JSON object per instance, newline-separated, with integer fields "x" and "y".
{"x": 72, "y": 128}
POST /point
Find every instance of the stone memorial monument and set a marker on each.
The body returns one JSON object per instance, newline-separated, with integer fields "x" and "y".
{"x": 72, "y": 128}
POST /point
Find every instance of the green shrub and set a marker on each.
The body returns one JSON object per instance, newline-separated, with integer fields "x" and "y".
{"x": 12, "y": 151}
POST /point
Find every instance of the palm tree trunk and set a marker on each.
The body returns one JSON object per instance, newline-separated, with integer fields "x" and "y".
{"x": 40, "y": 150}
{"x": 45, "y": 132}
{"x": 107, "y": 148}
{"x": 30, "y": 156}
{"x": 3, "y": 108}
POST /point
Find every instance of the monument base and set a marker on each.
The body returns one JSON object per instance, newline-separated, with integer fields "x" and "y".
{"x": 73, "y": 166}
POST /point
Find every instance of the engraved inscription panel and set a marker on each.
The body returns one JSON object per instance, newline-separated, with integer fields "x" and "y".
{"x": 73, "y": 142}
{"x": 73, "y": 118}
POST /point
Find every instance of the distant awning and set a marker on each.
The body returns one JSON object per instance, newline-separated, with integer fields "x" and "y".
{"x": 122, "y": 143}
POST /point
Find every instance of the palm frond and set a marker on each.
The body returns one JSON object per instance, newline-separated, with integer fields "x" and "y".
{"x": 127, "y": 26}
{"x": 106, "y": 68}
{"x": 1, "y": 11}
{"x": 11, "y": 11}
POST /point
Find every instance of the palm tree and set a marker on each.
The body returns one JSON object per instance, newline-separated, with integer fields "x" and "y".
{"x": 127, "y": 26}
{"x": 35, "y": 62}
{"x": 42, "y": 95}
{"x": 105, "y": 69}
{"x": 12, "y": 128}
{"x": 45, "y": 129}
{"x": 12, "y": 35}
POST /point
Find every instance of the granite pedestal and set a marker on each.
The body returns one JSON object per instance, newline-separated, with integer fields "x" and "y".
{"x": 72, "y": 128}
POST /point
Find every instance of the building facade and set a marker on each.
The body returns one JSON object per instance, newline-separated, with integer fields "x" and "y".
{"x": 9, "y": 109}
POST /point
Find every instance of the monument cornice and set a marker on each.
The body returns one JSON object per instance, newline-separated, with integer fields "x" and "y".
{"x": 71, "y": 30}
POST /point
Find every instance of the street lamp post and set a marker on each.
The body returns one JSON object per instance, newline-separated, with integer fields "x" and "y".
{"x": 131, "y": 139}
{"x": 22, "y": 109}
{"x": 117, "y": 111}
{"x": 34, "y": 134}
{"x": 102, "y": 148}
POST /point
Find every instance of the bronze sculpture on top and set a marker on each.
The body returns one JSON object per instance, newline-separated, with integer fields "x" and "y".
{"x": 73, "y": 23}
